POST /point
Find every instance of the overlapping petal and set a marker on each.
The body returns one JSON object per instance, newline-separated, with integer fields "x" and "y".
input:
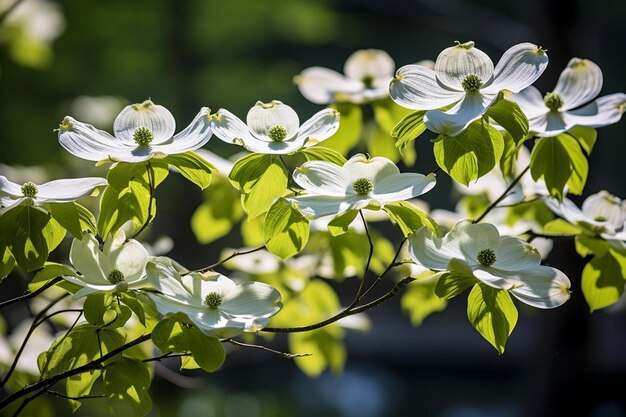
{"x": 87, "y": 142}
{"x": 416, "y": 87}
{"x": 194, "y": 136}
{"x": 456, "y": 62}
{"x": 147, "y": 114}
{"x": 520, "y": 66}
{"x": 315, "y": 206}
{"x": 599, "y": 113}
{"x": 320, "y": 126}
{"x": 320, "y": 177}
{"x": 400, "y": 187}
{"x": 375, "y": 169}
{"x": 67, "y": 190}
{"x": 531, "y": 102}
{"x": 454, "y": 121}
{"x": 322, "y": 85}
{"x": 579, "y": 82}
{"x": 264, "y": 116}
{"x": 229, "y": 127}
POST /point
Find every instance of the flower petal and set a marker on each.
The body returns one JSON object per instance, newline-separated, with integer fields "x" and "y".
{"x": 530, "y": 101}
{"x": 322, "y": 86}
{"x": 229, "y": 127}
{"x": 87, "y": 142}
{"x": 66, "y": 190}
{"x": 314, "y": 206}
{"x": 516, "y": 254}
{"x": 147, "y": 114}
{"x": 474, "y": 238}
{"x": 415, "y": 87}
{"x": 191, "y": 138}
{"x": 369, "y": 64}
{"x": 264, "y": 116}
{"x": 455, "y": 63}
{"x": 87, "y": 259}
{"x": 257, "y": 145}
{"x": 580, "y": 82}
{"x": 399, "y": 187}
{"x": 130, "y": 258}
{"x": 200, "y": 285}
{"x": 320, "y": 127}
{"x": 253, "y": 300}
{"x": 547, "y": 124}
{"x": 544, "y": 287}
{"x": 599, "y": 113}
{"x": 433, "y": 252}
{"x": 167, "y": 281}
{"x": 10, "y": 188}
{"x": 604, "y": 205}
{"x": 323, "y": 178}
{"x": 374, "y": 169}
{"x": 519, "y": 67}
{"x": 454, "y": 121}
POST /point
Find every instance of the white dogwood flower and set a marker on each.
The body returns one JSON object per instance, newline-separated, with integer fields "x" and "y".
{"x": 120, "y": 266}
{"x": 274, "y": 128}
{"x": 359, "y": 183}
{"x": 367, "y": 76}
{"x": 142, "y": 131}
{"x": 560, "y": 110}
{"x": 464, "y": 78}
{"x": 506, "y": 263}
{"x": 57, "y": 191}
{"x": 213, "y": 302}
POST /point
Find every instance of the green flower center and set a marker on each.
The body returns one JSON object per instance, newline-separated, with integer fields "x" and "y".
{"x": 486, "y": 257}
{"x": 471, "y": 83}
{"x": 362, "y": 186}
{"x": 213, "y": 300}
{"x": 277, "y": 133}
{"x": 553, "y": 101}
{"x": 29, "y": 190}
{"x": 142, "y": 136}
{"x": 368, "y": 80}
{"x": 115, "y": 276}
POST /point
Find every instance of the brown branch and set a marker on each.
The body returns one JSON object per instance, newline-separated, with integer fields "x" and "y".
{"x": 29, "y": 295}
{"x": 228, "y": 258}
{"x": 266, "y": 349}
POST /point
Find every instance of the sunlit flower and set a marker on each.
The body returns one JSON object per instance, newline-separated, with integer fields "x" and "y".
{"x": 214, "y": 303}
{"x": 359, "y": 183}
{"x": 274, "y": 128}
{"x": 367, "y": 76}
{"x": 560, "y": 110}
{"x": 57, "y": 191}
{"x": 464, "y": 78}
{"x": 120, "y": 266}
{"x": 506, "y": 263}
{"x": 142, "y": 131}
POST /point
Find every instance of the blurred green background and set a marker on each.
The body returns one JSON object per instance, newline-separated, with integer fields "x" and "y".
{"x": 188, "y": 54}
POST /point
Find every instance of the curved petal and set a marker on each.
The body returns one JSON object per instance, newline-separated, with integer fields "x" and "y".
{"x": 374, "y": 169}
{"x": 519, "y": 67}
{"x": 252, "y": 299}
{"x": 87, "y": 142}
{"x": 369, "y": 64}
{"x": 322, "y": 85}
{"x": 567, "y": 210}
{"x": 147, "y": 114}
{"x": 493, "y": 278}
{"x": 61, "y": 191}
{"x": 229, "y": 127}
{"x": 456, "y": 62}
{"x": 599, "y": 113}
{"x": 454, "y": 121}
{"x": 314, "y": 206}
{"x": 474, "y": 238}
{"x": 87, "y": 259}
{"x": 323, "y": 178}
{"x": 403, "y": 186}
{"x": 200, "y": 285}
{"x": 264, "y": 116}
{"x": 580, "y": 82}
{"x": 167, "y": 281}
{"x": 320, "y": 127}
{"x": 543, "y": 287}
{"x": 516, "y": 254}
{"x": 257, "y": 145}
{"x": 218, "y": 324}
{"x": 11, "y": 188}
{"x": 530, "y": 101}
{"x": 191, "y": 138}
{"x": 416, "y": 87}
{"x": 606, "y": 206}
{"x": 130, "y": 259}
{"x": 548, "y": 124}
{"x": 433, "y": 252}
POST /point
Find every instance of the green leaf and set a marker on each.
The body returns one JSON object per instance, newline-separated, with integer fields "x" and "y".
{"x": 126, "y": 383}
{"x": 286, "y": 230}
{"x": 492, "y": 313}
{"x": 50, "y": 270}
{"x": 73, "y": 217}
{"x": 340, "y": 224}
{"x": 603, "y": 279}
{"x": 509, "y": 115}
{"x": 471, "y": 154}
{"x": 123, "y": 172}
{"x": 509, "y": 156}
{"x": 8, "y": 261}
{"x": 94, "y": 307}
{"x": 130, "y": 300}
{"x": 380, "y": 143}
{"x": 30, "y": 234}
{"x": 590, "y": 245}
{"x": 420, "y": 301}
{"x": 586, "y": 137}
{"x": 79, "y": 386}
{"x": 450, "y": 285}
{"x": 561, "y": 227}
{"x": 319, "y": 153}
{"x": 193, "y": 167}
{"x": 350, "y": 126}
{"x": 270, "y": 185}
{"x": 247, "y": 170}
{"x": 409, "y": 129}
{"x": 325, "y": 346}
{"x": 387, "y": 114}
{"x": 409, "y": 218}
{"x": 217, "y": 215}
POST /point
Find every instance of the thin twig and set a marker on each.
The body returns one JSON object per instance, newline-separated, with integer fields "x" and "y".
{"x": 228, "y": 258}
{"x": 503, "y": 196}
{"x": 67, "y": 397}
{"x": 367, "y": 264}
{"x": 393, "y": 264}
{"x": 266, "y": 349}
{"x": 29, "y": 295}
{"x": 166, "y": 356}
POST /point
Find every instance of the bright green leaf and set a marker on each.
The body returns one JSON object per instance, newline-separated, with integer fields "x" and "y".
{"x": 509, "y": 115}
{"x": 409, "y": 218}
{"x": 586, "y": 137}
{"x": 247, "y": 170}
{"x": 420, "y": 301}
{"x": 73, "y": 217}
{"x": 409, "y": 129}
{"x": 217, "y": 215}
{"x": 450, "y": 285}
{"x": 320, "y": 153}
{"x": 286, "y": 230}
{"x": 269, "y": 186}
{"x": 193, "y": 167}
{"x": 325, "y": 346}
{"x": 126, "y": 383}
{"x": 603, "y": 279}
{"x": 492, "y": 313}
{"x": 339, "y": 225}
{"x": 590, "y": 245}
{"x": 350, "y": 126}
{"x": 8, "y": 261}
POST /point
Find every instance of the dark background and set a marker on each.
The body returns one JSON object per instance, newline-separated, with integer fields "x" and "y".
{"x": 188, "y": 54}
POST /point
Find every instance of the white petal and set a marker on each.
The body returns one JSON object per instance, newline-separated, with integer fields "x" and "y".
{"x": 167, "y": 281}
{"x": 516, "y": 254}
{"x": 374, "y": 169}
{"x": 434, "y": 252}
{"x": 474, "y": 238}
{"x": 455, "y": 63}
{"x": 320, "y": 127}
{"x": 369, "y": 63}
{"x": 599, "y": 113}
{"x": 493, "y": 277}
{"x": 10, "y": 188}
{"x": 314, "y": 206}
{"x": 256, "y": 145}
{"x": 415, "y": 87}
{"x": 191, "y": 138}
{"x": 91, "y": 289}
{"x": 61, "y": 191}
{"x": 86, "y": 257}
{"x": 323, "y": 178}
{"x": 548, "y": 124}
{"x": 229, "y": 127}
{"x": 606, "y": 206}
{"x": 147, "y": 114}
{"x": 200, "y": 286}
{"x": 567, "y": 210}
{"x": 87, "y": 142}
{"x": 519, "y": 67}
{"x": 544, "y": 287}
{"x": 252, "y": 299}
{"x": 454, "y": 121}
{"x": 130, "y": 259}
{"x": 264, "y": 116}
{"x": 322, "y": 85}
{"x": 216, "y": 323}
{"x": 399, "y": 187}
{"x": 530, "y": 101}
{"x": 580, "y": 82}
